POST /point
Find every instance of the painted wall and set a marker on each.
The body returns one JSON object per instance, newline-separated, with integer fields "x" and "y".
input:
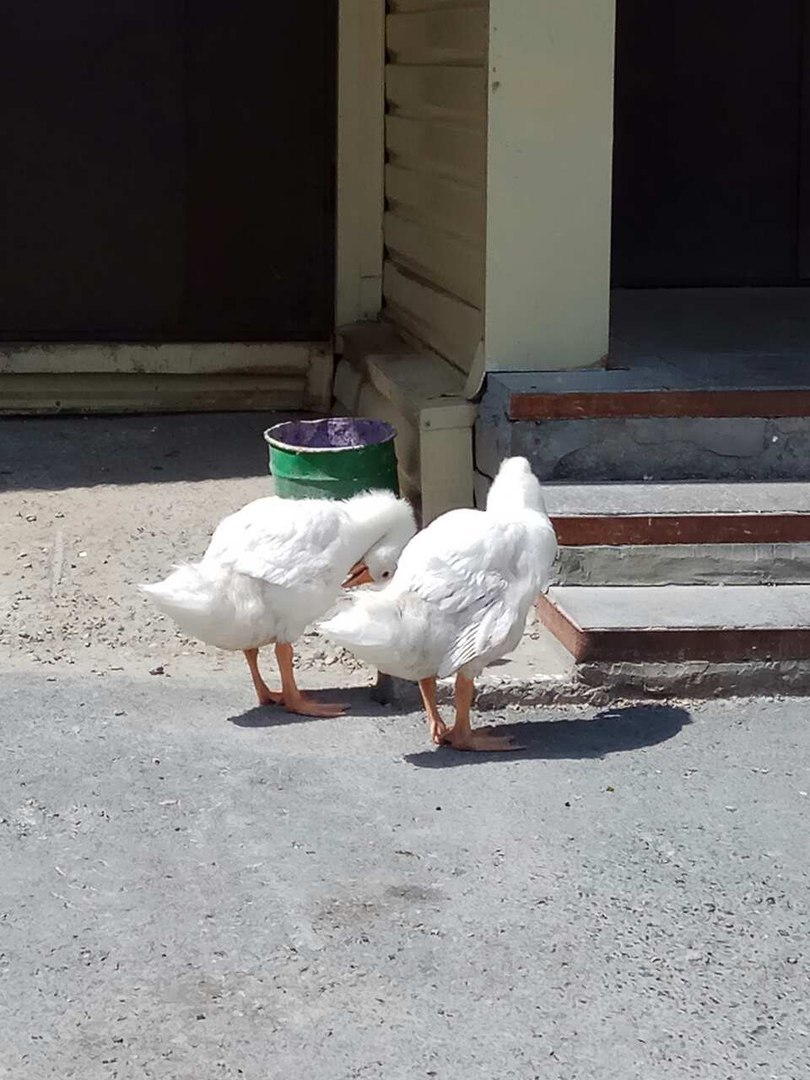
{"x": 498, "y": 181}
{"x": 550, "y": 103}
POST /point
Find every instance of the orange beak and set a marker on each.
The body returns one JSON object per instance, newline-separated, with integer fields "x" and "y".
{"x": 358, "y": 575}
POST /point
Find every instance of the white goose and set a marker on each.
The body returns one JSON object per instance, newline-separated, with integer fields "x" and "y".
{"x": 458, "y": 600}
{"x": 277, "y": 565}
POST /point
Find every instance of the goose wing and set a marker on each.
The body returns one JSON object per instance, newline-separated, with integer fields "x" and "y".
{"x": 292, "y": 544}
{"x": 467, "y": 566}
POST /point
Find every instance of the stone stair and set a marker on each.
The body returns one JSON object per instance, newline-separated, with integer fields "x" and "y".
{"x": 683, "y": 515}
{"x": 687, "y": 533}
{"x": 681, "y": 572}
{"x": 742, "y": 421}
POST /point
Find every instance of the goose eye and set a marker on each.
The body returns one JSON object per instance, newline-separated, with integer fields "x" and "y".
{"x": 385, "y": 574}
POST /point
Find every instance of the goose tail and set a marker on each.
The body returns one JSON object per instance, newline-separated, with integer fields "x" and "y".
{"x": 191, "y": 597}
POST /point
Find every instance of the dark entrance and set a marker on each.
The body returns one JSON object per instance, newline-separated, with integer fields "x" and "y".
{"x": 167, "y": 170}
{"x": 712, "y": 143}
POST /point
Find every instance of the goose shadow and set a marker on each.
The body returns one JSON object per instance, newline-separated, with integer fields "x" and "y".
{"x": 612, "y": 731}
{"x": 356, "y": 700}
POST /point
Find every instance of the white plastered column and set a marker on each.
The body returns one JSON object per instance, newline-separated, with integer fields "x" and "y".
{"x": 550, "y": 134}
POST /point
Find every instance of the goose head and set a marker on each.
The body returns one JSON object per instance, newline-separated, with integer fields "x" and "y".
{"x": 387, "y": 524}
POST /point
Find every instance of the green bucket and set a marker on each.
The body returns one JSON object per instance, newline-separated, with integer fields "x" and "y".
{"x": 333, "y": 458}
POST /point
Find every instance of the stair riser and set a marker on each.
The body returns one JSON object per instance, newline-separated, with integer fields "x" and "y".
{"x": 685, "y": 564}
{"x": 681, "y": 646}
{"x": 633, "y": 449}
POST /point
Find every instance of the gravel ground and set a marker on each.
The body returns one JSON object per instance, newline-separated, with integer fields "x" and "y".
{"x": 195, "y": 888}
{"x": 90, "y": 507}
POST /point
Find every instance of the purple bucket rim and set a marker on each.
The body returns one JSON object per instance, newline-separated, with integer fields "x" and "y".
{"x": 386, "y": 433}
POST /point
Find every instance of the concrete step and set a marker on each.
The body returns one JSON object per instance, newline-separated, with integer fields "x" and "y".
{"x": 680, "y": 623}
{"x": 681, "y": 533}
{"x": 715, "y": 421}
{"x": 680, "y": 513}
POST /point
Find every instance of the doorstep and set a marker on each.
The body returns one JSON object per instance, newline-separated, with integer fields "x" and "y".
{"x": 677, "y": 623}
{"x": 685, "y": 512}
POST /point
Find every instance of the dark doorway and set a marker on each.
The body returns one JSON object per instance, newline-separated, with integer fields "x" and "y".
{"x": 711, "y": 125}
{"x": 167, "y": 170}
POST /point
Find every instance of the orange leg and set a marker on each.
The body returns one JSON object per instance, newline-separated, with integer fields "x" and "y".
{"x": 461, "y": 735}
{"x": 438, "y": 728}
{"x": 265, "y": 695}
{"x": 294, "y": 701}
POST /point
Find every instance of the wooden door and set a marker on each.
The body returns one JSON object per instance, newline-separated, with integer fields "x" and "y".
{"x": 709, "y": 186}
{"x": 167, "y": 170}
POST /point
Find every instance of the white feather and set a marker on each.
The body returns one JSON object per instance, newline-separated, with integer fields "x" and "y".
{"x": 463, "y": 588}
{"x": 276, "y": 565}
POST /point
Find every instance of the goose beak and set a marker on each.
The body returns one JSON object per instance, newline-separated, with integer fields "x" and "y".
{"x": 358, "y": 575}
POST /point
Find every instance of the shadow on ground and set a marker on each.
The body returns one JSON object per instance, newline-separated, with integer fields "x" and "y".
{"x": 356, "y": 701}
{"x": 55, "y": 452}
{"x": 613, "y": 731}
